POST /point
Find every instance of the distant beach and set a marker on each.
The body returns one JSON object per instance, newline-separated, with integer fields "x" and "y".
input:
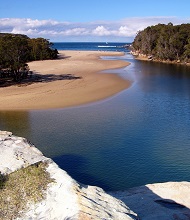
{"x": 71, "y": 80}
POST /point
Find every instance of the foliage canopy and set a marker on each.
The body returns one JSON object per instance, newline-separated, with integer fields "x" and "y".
{"x": 164, "y": 42}
{"x": 16, "y": 50}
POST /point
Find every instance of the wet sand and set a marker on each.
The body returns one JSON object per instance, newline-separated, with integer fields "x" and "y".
{"x": 73, "y": 79}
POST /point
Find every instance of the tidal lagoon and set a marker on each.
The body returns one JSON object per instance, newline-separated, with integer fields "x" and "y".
{"x": 136, "y": 137}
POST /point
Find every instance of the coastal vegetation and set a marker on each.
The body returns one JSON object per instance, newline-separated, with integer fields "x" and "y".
{"x": 164, "y": 42}
{"x": 16, "y": 50}
{"x": 21, "y": 188}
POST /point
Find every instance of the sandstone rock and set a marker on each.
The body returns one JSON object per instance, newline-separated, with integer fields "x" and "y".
{"x": 16, "y": 152}
{"x": 165, "y": 201}
{"x": 65, "y": 198}
{"x": 61, "y": 200}
{"x": 4, "y": 135}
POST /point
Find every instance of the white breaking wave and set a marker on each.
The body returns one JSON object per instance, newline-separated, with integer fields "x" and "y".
{"x": 107, "y": 46}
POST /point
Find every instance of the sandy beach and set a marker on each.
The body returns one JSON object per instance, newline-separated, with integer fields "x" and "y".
{"x": 73, "y": 79}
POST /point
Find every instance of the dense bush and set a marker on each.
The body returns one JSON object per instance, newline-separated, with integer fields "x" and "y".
{"x": 16, "y": 50}
{"x": 164, "y": 42}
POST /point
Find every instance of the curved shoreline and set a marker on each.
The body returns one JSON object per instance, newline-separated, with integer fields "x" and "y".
{"x": 145, "y": 58}
{"x": 73, "y": 79}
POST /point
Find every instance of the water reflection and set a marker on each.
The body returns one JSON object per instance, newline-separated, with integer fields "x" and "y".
{"x": 17, "y": 121}
{"x": 165, "y": 78}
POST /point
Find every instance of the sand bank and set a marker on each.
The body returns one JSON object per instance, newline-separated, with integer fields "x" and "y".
{"x": 71, "y": 80}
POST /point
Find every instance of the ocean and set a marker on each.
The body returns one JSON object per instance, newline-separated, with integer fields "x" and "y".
{"x": 91, "y": 46}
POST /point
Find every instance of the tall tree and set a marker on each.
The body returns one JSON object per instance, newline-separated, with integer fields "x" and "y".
{"x": 15, "y": 53}
{"x": 16, "y": 50}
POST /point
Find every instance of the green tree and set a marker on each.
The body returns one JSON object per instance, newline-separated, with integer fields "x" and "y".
{"x": 187, "y": 51}
{"x": 16, "y": 50}
{"x": 164, "y": 42}
{"x": 14, "y": 53}
{"x": 41, "y": 49}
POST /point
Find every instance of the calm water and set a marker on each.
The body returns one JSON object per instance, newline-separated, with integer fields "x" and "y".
{"x": 105, "y": 46}
{"x": 139, "y": 136}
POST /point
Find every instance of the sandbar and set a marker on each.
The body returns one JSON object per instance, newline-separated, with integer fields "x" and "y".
{"x": 73, "y": 79}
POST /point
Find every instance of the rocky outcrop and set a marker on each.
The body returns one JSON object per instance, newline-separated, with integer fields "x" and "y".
{"x": 165, "y": 201}
{"x": 67, "y": 199}
{"x": 16, "y": 153}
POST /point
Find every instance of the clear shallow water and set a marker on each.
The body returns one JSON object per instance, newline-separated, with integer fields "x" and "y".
{"x": 139, "y": 136}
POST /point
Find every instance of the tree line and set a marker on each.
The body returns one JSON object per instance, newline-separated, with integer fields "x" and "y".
{"x": 164, "y": 42}
{"x": 16, "y": 50}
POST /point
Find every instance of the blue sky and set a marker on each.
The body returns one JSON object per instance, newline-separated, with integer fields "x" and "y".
{"x": 88, "y": 20}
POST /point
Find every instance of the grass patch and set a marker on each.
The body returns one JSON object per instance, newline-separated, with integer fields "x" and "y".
{"x": 19, "y": 188}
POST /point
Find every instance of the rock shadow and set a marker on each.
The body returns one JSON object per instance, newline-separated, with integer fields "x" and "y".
{"x": 3, "y": 180}
{"x": 150, "y": 205}
{"x": 74, "y": 166}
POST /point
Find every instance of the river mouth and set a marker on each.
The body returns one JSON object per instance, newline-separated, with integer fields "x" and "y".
{"x": 137, "y": 137}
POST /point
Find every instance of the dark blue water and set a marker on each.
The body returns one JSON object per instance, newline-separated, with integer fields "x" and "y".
{"x": 91, "y": 46}
{"x": 139, "y": 136}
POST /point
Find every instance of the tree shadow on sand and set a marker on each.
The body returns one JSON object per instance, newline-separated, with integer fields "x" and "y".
{"x": 34, "y": 77}
{"x": 76, "y": 165}
{"x": 62, "y": 57}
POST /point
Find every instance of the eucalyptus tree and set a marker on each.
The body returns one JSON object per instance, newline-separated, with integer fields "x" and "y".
{"x": 164, "y": 42}
{"x": 16, "y": 50}
{"x": 14, "y": 53}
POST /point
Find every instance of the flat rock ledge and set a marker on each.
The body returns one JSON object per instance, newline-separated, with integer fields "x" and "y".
{"x": 67, "y": 199}
{"x": 160, "y": 201}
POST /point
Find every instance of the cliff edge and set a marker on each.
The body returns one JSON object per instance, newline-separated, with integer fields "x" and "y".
{"x": 63, "y": 198}
{"x": 46, "y": 192}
